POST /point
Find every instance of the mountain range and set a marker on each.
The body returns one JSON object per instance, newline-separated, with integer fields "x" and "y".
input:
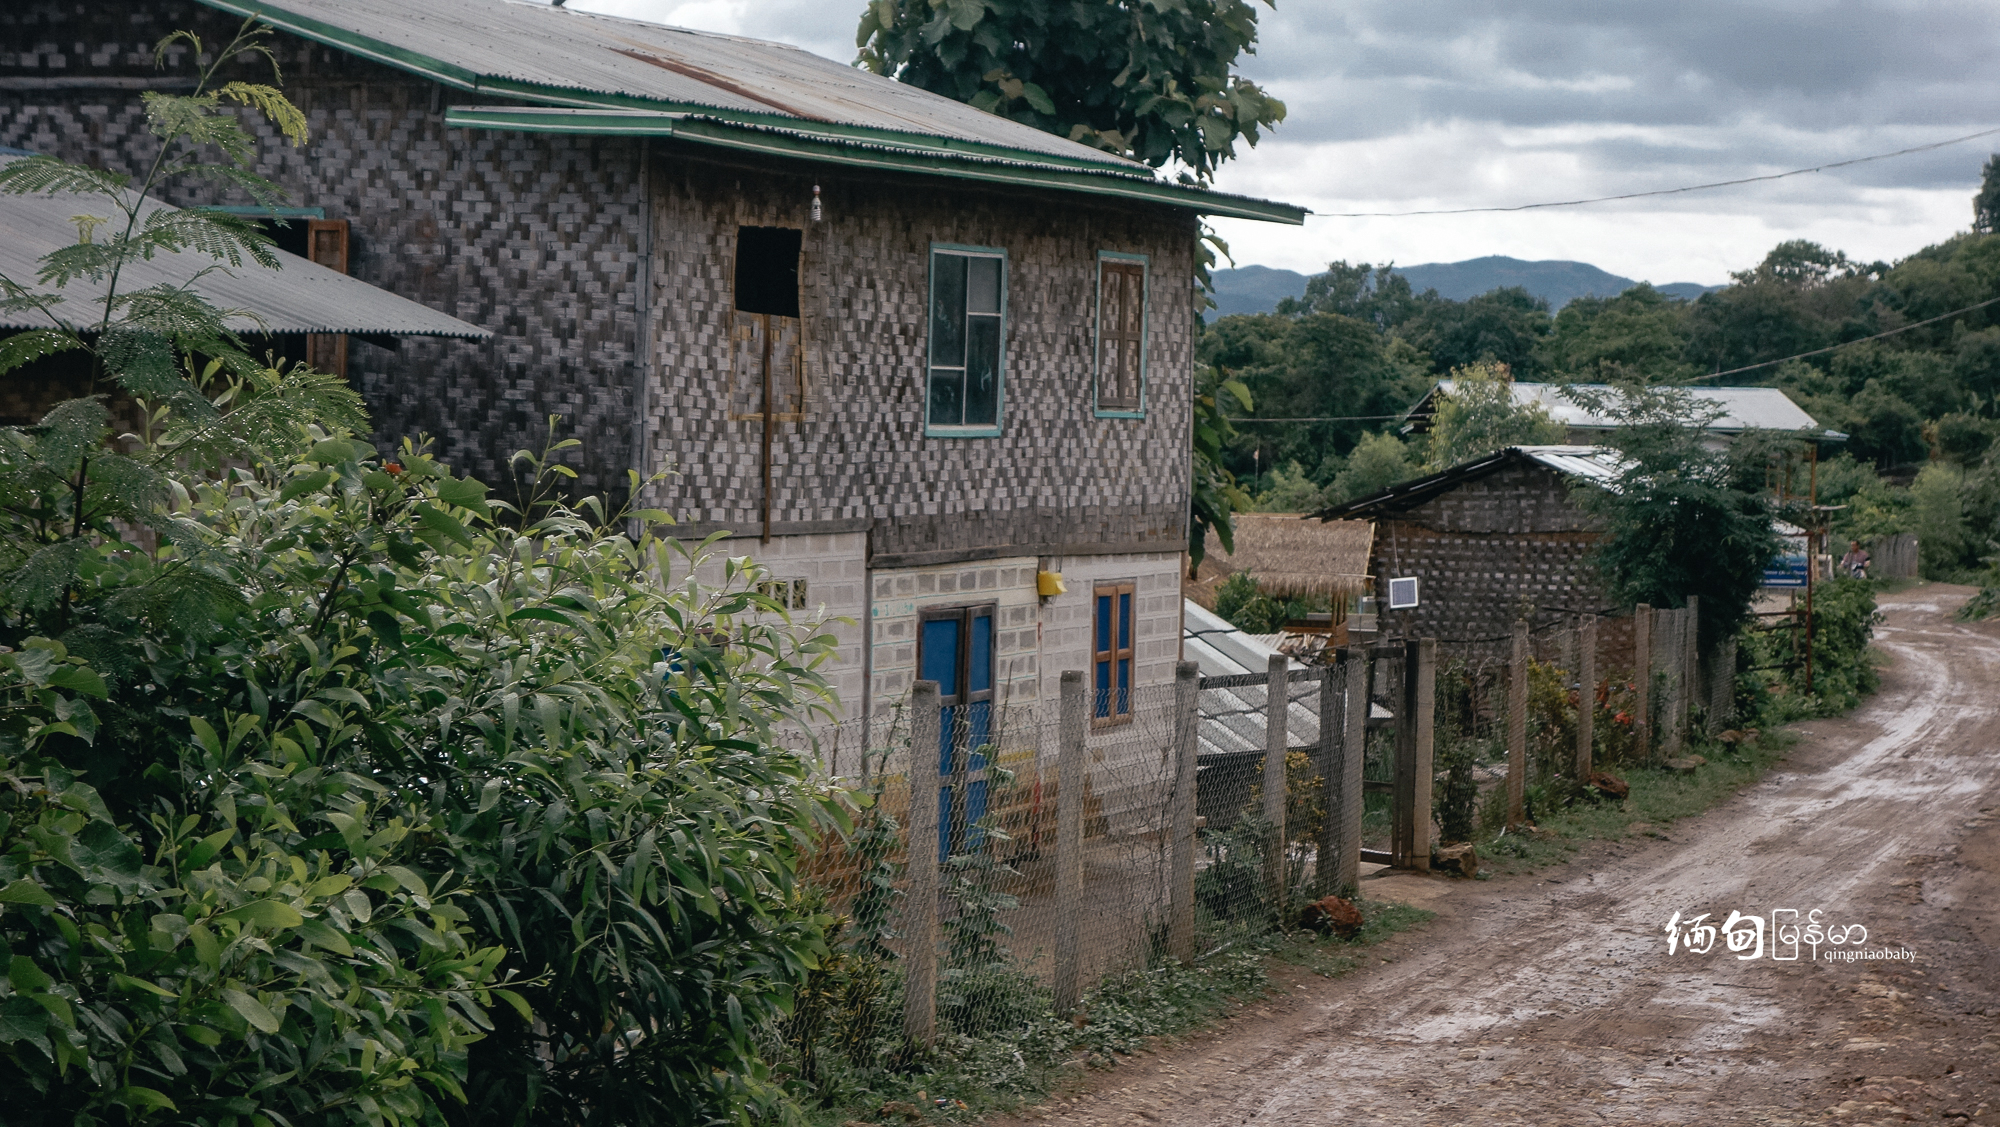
{"x": 1258, "y": 289}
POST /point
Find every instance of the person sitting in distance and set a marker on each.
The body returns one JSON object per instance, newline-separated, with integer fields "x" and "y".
{"x": 1855, "y": 562}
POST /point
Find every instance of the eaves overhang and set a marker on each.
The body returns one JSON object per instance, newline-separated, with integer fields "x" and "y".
{"x": 809, "y": 141}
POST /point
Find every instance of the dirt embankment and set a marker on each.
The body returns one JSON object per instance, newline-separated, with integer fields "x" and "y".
{"x": 1553, "y": 999}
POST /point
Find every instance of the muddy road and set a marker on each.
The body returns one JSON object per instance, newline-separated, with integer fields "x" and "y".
{"x": 1552, "y": 998}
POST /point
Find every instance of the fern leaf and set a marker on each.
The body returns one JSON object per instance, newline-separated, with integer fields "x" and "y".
{"x": 25, "y": 348}
{"x": 47, "y": 175}
{"x": 275, "y": 106}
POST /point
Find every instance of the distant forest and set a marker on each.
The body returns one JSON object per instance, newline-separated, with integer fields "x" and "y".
{"x": 1922, "y": 407}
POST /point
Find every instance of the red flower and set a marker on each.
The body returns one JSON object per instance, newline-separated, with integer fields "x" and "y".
{"x": 1623, "y": 718}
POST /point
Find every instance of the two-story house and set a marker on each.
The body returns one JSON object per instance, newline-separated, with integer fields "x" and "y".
{"x": 912, "y": 355}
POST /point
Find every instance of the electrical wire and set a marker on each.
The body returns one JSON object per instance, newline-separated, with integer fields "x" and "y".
{"x": 1845, "y": 343}
{"x": 1662, "y": 191}
{"x": 1315, "y": 419}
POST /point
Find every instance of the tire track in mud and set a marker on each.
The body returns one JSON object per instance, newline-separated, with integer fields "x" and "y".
{"x": 1552, "y": 999}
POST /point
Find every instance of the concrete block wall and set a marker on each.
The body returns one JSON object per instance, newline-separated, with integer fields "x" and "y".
{"x": 835, "y": 570}
{"x": 1068, "y": 631}
{"x": 902, "y": 595}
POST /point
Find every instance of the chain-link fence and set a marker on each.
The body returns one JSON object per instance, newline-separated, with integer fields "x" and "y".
{"x": 1011, "y": 856}
{"x": 1524, "y": 721}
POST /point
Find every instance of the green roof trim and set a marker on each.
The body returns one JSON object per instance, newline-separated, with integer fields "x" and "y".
{"x": 604, "y": 112}
{"x": 578, "y": 97}
{"x": 807, "y": 141}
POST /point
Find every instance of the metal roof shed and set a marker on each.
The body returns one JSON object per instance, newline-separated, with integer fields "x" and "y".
{"x": 300, "y": 297}
{"x": 1739, "y": 409}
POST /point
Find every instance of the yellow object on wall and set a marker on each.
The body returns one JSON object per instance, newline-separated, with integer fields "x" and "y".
{"x": 1049, "y": 583}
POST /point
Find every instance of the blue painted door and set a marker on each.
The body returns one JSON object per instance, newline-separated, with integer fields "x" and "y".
{"x": 955, "y": 649}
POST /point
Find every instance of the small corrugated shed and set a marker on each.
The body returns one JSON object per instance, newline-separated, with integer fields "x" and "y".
{"x": 1290, "y": 555}
{"x": 1598, "y": 464}
{"x": 1232, "y": 720}
{"x": 581, "y": 72}
{"x": 1741, "y": 408}
{"x": 301, "y": 297}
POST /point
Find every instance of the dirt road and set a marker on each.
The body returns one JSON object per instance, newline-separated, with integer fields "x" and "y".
{"x": 1552, "y": 999}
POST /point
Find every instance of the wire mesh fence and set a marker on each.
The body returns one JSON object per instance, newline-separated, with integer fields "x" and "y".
{"x": 1009, "y": 857}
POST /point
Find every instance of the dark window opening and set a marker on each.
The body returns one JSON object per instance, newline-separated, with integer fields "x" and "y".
{"x": 767, "y": 270}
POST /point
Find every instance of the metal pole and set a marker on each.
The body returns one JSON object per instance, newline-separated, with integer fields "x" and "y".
{"x": 1277, "y": 710}
{"x": 920, "y": 957}
{"x": 1187, "y": 750}
{"x": 1068, "y": 983}
{"x": 1586, "y": 695}
{"x": 1517, "y": 729}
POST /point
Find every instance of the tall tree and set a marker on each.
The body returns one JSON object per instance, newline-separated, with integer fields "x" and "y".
{"x": 1148, "y": 79}
{"x": 1986, "y": 205}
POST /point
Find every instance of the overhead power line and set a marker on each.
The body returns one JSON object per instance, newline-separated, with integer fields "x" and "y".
{"x": 1857, "y": 340}
{"x": 1315, "y": 419}
{"x": 1662, "y": 191}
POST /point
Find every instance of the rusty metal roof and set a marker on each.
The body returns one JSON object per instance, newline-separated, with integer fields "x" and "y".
{"x": 581, "y": 61}
{"x": 302, "y": 297}
{"x": 560, "y": 56}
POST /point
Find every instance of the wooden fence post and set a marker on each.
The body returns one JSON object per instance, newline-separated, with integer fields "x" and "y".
{"x": 1327, "y": 758}
{"x": 1691, "y": 660}
{"x": 920, "y": 917}
{"x": 1277, "y": 711}
{"x": 1517, "y": 728}
{"x": 1586, "y": 696}
{"x": 1187, "y": 750}
{"x": 1722, "y": 686}
{"x": 1642, "y": 679}
{"x": 1353, "y": 758}
{"x": 1415, "y": 723}
{"x": 1068, "y": 984}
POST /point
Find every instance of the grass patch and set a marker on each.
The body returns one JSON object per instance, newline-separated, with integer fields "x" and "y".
{"x": 1658, "y": 798}
{"x": 1007, "y": 1070}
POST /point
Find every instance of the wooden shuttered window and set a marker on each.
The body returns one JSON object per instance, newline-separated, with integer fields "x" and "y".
{"x": 326, "y": 244}
{"x": 1111, "y": 660}
{"x": 1121, "y": 334}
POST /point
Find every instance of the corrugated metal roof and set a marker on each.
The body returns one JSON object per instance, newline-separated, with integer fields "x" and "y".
{"x": 1742, "y": 408}
{"x": 581, "y": 58}
{"x": 1232, "y": 719}
{"x": 303, "y": 297}
{"x": 1593, "y": 463}
{"x": 556, "y": 57}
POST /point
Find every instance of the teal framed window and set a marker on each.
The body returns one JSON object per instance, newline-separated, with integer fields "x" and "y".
{"x": 965, "y": 380}
{"x": 1121, "y": 335}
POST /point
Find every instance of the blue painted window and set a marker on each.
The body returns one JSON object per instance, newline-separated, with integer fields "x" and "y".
{"x": 968, "y": 303}
{"x": 955, "y": 649}
{"x": 1111, "y": 656}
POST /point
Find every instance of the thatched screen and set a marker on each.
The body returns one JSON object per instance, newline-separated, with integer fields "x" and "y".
{"x": 1291, "y": 557}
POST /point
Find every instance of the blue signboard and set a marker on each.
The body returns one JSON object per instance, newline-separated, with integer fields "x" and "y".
{"x": 1787, "y": 570}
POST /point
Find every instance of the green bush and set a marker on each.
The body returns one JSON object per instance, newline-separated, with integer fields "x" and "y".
{"x": 1772, "y": 661}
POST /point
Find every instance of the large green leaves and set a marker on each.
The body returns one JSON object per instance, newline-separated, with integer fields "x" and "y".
{"x": 1151, "y": 81}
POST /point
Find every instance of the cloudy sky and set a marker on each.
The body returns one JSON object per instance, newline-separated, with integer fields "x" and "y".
{"x": 1473, "y": 103}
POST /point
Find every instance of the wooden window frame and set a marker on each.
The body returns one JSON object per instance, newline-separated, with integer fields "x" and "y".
{"x": 965, "y": 430}
{"x": 327, "y": 352}
{"x": 746, "y": 381}
{"x": 1134, "y": 408}
{"x": 1106, "y": 653}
